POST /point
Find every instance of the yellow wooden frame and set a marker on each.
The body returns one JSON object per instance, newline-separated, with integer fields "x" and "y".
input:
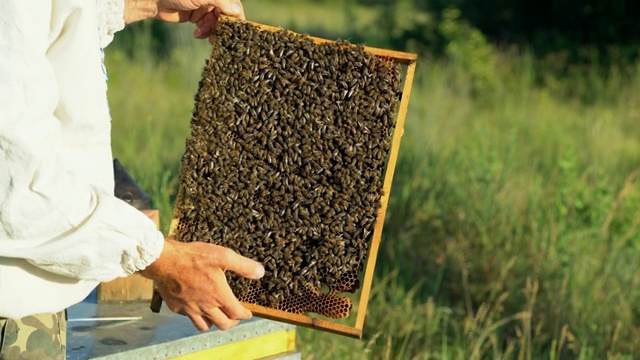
{"x": 406, "y": 59}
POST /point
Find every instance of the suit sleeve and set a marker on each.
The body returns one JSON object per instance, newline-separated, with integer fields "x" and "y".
{"x": 50, "y": 216}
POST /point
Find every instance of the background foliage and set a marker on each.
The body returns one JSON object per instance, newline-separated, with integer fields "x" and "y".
{"x": 513, "y": 228}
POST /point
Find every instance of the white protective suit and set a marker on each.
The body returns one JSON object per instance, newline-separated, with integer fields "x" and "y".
{"x": 61, "y": 229}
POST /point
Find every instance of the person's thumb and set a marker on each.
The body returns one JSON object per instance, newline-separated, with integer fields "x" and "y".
{"x": 229, "y": 7}
{"x": 243, "y": 266}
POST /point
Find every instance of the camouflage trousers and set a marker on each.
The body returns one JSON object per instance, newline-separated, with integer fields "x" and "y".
{"x": 41, "y": 337}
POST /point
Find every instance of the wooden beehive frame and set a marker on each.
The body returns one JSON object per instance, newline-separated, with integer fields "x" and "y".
{"x": 401, "y": 58}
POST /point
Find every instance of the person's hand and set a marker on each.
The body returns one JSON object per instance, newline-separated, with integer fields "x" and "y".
{"x": 190, "y": 277}
{"x": 203, "y": 13}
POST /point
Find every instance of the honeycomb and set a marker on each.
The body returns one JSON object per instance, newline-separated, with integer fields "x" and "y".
{"x": 285, "y": 160}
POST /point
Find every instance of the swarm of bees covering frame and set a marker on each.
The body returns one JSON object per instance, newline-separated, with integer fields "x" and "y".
{"x": 285, "y": 161}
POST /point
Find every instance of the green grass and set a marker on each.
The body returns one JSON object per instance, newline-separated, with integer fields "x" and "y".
{"x": 512, "y": 230}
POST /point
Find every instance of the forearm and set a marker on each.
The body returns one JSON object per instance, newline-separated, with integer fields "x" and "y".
{"x": 114, "y": 240}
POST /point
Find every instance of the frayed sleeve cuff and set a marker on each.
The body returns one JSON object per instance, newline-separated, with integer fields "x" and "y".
{"x": 110, "y": 19}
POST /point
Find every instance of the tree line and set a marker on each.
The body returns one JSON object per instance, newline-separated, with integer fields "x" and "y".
{"x": 543, "y": 25}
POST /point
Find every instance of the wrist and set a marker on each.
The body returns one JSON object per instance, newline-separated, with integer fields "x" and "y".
{"x": 158, "y": 268}
{"x": 137, "y": 10}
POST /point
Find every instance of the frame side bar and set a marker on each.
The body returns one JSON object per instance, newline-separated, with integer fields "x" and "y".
{"x": 377, "y": 234}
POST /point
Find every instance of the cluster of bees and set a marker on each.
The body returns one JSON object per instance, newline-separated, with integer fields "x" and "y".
{"x": 285, "y": 160}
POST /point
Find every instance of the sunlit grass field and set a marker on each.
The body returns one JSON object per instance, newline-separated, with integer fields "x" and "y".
{"x": 513, "y": 225}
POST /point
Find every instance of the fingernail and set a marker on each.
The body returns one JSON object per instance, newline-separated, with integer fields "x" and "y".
{"x": 260, "y": 272}
{"x": 236, "y": 8}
